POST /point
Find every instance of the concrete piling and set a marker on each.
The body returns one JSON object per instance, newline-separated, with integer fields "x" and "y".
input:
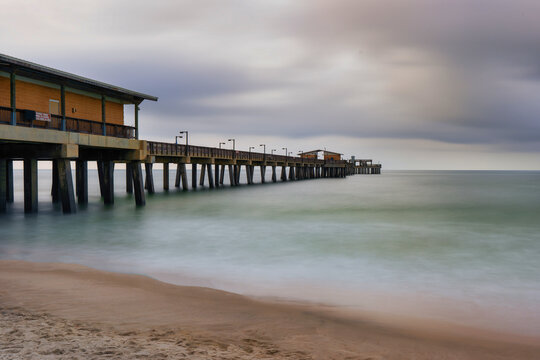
{"x": 166, "y": 176}
{"x": 81, "y": 181}
{"x": 65, "y": 184}
{"x": 30, "y": 186}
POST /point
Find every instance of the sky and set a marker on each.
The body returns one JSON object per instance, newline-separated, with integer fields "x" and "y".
{"x": 415, "y": 84}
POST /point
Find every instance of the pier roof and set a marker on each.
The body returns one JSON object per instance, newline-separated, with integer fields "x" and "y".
{"x": 44, "y": 73}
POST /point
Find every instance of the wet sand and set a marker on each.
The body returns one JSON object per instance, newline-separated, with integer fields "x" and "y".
{"x": 70, "y": 311}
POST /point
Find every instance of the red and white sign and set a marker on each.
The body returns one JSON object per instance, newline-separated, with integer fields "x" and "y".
{"x": 43, "y": 116}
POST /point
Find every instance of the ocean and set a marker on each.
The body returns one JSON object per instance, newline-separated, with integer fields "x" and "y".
{"x": 456, "y": 246}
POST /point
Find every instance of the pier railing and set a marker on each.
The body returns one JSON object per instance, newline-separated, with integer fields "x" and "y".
{"x": 72, "y": 124}
{"x": 171, "y": 149}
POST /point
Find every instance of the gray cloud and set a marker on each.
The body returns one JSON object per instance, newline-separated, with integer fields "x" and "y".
{"x": 459, "y": 72}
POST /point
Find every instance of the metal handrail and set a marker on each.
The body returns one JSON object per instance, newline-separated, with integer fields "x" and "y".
{"x": 72, "y": 124}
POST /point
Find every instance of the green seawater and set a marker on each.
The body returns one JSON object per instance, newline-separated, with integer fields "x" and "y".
{"x": 458, "y": 246}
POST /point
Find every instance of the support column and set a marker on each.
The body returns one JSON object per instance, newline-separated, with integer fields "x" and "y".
{"x": 231, "y": 175}
{"x": 178, "y": 175}
{"x": 65, "y": 183}
{"x": 203, "y": 174}
{"x": 149, "y": 184}
{"x": 248, "y": 174}
{"x": 210, "y": 176}
{"x": 138, "y": 186}
{"x": 137, "y": 122}
{"x": 129, "y": 178}
{"x": 291, "y": 172}
{"x": 30, "y": 186}
{"x": 101, "y": 179}
{"x": 13, "y": 98}
{"x": 63, "y": 106}
{"x": 108, "y": 182}
{"x": 194, "y": 176}
{"x": 274, "y": 176}
{"x": 9, "y": 180}
{"x": 3, "y": 185}
{"x": 166, "y": 176}
{"x": 81, "y": 180}
{"x": 55, "y": 190}
{"x": 103, "y": 116}
{"x": 222, "y": 175}
{"x": 283, "y": 173}
{"x": 185, "y": 185}
{"x": 216, "y": 177}
{"x": 238, "y": 171}
{"x": 263, "y": 173}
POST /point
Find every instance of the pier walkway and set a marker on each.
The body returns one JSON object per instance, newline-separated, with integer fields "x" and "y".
{"x": 208, "y": 165}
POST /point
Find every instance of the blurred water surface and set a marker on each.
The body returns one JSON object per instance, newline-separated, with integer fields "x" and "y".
{"x": 453, "y": 245}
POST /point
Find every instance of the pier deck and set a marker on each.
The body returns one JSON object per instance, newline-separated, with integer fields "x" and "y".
{"x": 33, "y": 144}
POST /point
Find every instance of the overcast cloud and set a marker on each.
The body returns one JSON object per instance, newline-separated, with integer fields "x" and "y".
{"x": 413, "y": 84}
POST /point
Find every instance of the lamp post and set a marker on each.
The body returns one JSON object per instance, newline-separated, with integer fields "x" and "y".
{"x": 251, "y": 147}
{"x": 221, "y": 143}
{"x": 272, "y": 151}
{"x": 233, "y": 143}
{"x": 187, "y": 140}
{"x": 264, "y": 151}
{"x": 286, "y": 160}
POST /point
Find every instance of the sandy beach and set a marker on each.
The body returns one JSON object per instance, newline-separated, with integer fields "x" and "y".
{"x": 66, "y": 311}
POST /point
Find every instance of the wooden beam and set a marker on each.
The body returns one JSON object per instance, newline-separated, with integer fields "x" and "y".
{"x": 30, "y": 186}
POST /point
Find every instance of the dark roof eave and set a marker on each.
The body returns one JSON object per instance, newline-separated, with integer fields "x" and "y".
{"x": 45, "y": 73}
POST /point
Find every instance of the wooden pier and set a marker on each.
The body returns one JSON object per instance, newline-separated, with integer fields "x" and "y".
{"x": 31, "y": 136}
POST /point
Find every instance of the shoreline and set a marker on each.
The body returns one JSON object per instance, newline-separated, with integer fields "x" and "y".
{"x": 216, "y": 324}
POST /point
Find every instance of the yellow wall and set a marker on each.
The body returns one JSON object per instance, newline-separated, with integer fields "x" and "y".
{"x": 36, "y": 97}
{"x": 332, "y": 157}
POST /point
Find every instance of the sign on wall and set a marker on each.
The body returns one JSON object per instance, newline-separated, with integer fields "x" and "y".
{"x": 43, "y": 116}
